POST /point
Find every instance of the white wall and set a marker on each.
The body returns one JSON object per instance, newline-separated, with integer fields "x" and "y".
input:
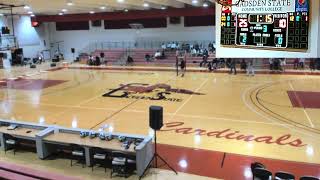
{"x": 314, "y": 42}
{"x": 29, "y": 38}
{"x": 33, "y": 40}
{"x": 318, "y": 31}
{"x": 80, "y": 39}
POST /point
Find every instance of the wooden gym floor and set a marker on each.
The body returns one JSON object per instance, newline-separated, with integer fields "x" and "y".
{"x": 266, "y": 116}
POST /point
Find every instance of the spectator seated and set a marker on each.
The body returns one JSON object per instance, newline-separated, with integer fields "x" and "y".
{"x": 283, "y": 176}
{"x": 308, "y": 178}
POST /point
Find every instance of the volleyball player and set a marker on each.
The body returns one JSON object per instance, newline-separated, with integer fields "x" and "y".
{"x": 183, "y": 64}
{"x": 183, "y": 67}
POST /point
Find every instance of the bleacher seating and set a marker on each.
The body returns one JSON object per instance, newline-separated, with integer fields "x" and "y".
{"x": 16, "y": 172}
{"x": 289, "y": 63}
{"x": 138, "y": 55}
{"x": 111, "y": 55}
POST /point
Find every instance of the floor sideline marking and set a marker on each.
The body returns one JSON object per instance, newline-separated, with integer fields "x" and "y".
{"x": 303, "y": 109}
{"x": 287, "y": 126}
{"x": 122, "y": 109}
{"x": 169, "y": 114}
{"x": 227, "y": 119}
{"x": 89, "y": 100}
{"x": 251, "y": 108}
{"x": 182, "y": 105}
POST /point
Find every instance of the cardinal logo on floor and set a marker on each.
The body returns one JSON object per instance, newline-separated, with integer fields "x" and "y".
{"x": 155, "y": 92}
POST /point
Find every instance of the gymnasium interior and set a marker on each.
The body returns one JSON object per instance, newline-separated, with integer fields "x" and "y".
{"x": 160, "y": 89}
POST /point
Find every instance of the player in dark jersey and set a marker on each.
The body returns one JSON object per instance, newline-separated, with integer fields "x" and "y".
{"x": 183, "y": 66}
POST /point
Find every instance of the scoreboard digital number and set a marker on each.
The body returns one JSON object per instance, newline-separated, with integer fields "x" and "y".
{"x": 228, "y": 28}
{"x": 262, "y": 30}
{"x": 282, "y": 30}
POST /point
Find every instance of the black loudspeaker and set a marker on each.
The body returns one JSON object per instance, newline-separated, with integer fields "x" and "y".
{"x": 53, "y": 64}
{"x": 175, "y": 20}
{"x": 156, "y": 117}
{"x": 5, "y": 30}
{"x": 102, "y": 55}
{"x": 96, "y": 23}
{"x": 32, "y": 66}
{"x": 73, "y": 50}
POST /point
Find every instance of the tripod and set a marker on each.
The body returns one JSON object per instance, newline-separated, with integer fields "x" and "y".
{"x": 155, "y": 158}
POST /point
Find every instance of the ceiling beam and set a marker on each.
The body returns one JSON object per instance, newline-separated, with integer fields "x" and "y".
{"x": 168, "y": 3}
{"x": 127, "y": 15}
{"x": 190, "y": 2}
{"x": 55, "y": 6}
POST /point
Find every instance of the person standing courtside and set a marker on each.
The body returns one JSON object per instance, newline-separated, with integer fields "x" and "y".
{"x": 250, "y": 68}
{"x": 271, "y": 64}
{"x": 312, "y": 64}
{"x": 177, "y": 62}
{"x": 283, "y": 64}
{"x": 301, "y": 63}
{"x": 233, "y": 69}
{"x": 183, "y": 66}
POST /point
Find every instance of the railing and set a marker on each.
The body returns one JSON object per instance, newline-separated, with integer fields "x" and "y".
{"x": 7, "y": 42}
{"x": 123, "y": 59}
{"x": 93, "y": 46}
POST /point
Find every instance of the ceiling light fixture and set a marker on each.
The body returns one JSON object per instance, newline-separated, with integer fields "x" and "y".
{"x": 103, "y": 7}
{"x": 69, "y": 3}
{"x": 91, "y": 12}
{"x": 26, "y": 7}
{"x": 195, "y": 1}
{"x": 64, "y": 10}
{"x": 145, "y": 4}
{"x": 163, "y": 7}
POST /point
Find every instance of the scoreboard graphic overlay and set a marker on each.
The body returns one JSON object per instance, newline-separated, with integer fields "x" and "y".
{"x": 281, "y": 24}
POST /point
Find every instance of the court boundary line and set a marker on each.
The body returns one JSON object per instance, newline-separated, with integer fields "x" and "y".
{"x": 276, "y": 115}
{"x": 224, "y": 71}
{"x": 287, "y": 126}
{"x": 251, "y": 108}
{"x": 115, "y": 113}
{"x": 141, "y": 111}
{"x": 118, "y": 111}
{"x": 104, "y": 108}
{"x": 182, "y": 105}
{"x": 303, "y": 109}
{"x": 90, "y": 99}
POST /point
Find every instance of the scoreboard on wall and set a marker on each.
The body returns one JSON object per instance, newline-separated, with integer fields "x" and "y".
{"x": 266, "y": 24}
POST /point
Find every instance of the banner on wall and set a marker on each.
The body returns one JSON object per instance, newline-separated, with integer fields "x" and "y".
{"x": 302, "y": 5}
{"x": 265, "y": 6}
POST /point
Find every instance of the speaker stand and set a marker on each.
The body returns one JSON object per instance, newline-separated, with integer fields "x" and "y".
{"x": 155, "y": 158}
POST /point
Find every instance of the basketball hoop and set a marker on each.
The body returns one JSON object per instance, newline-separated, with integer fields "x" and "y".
{"x": 136, "y": 26}
{"x": 229, "y": 2}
